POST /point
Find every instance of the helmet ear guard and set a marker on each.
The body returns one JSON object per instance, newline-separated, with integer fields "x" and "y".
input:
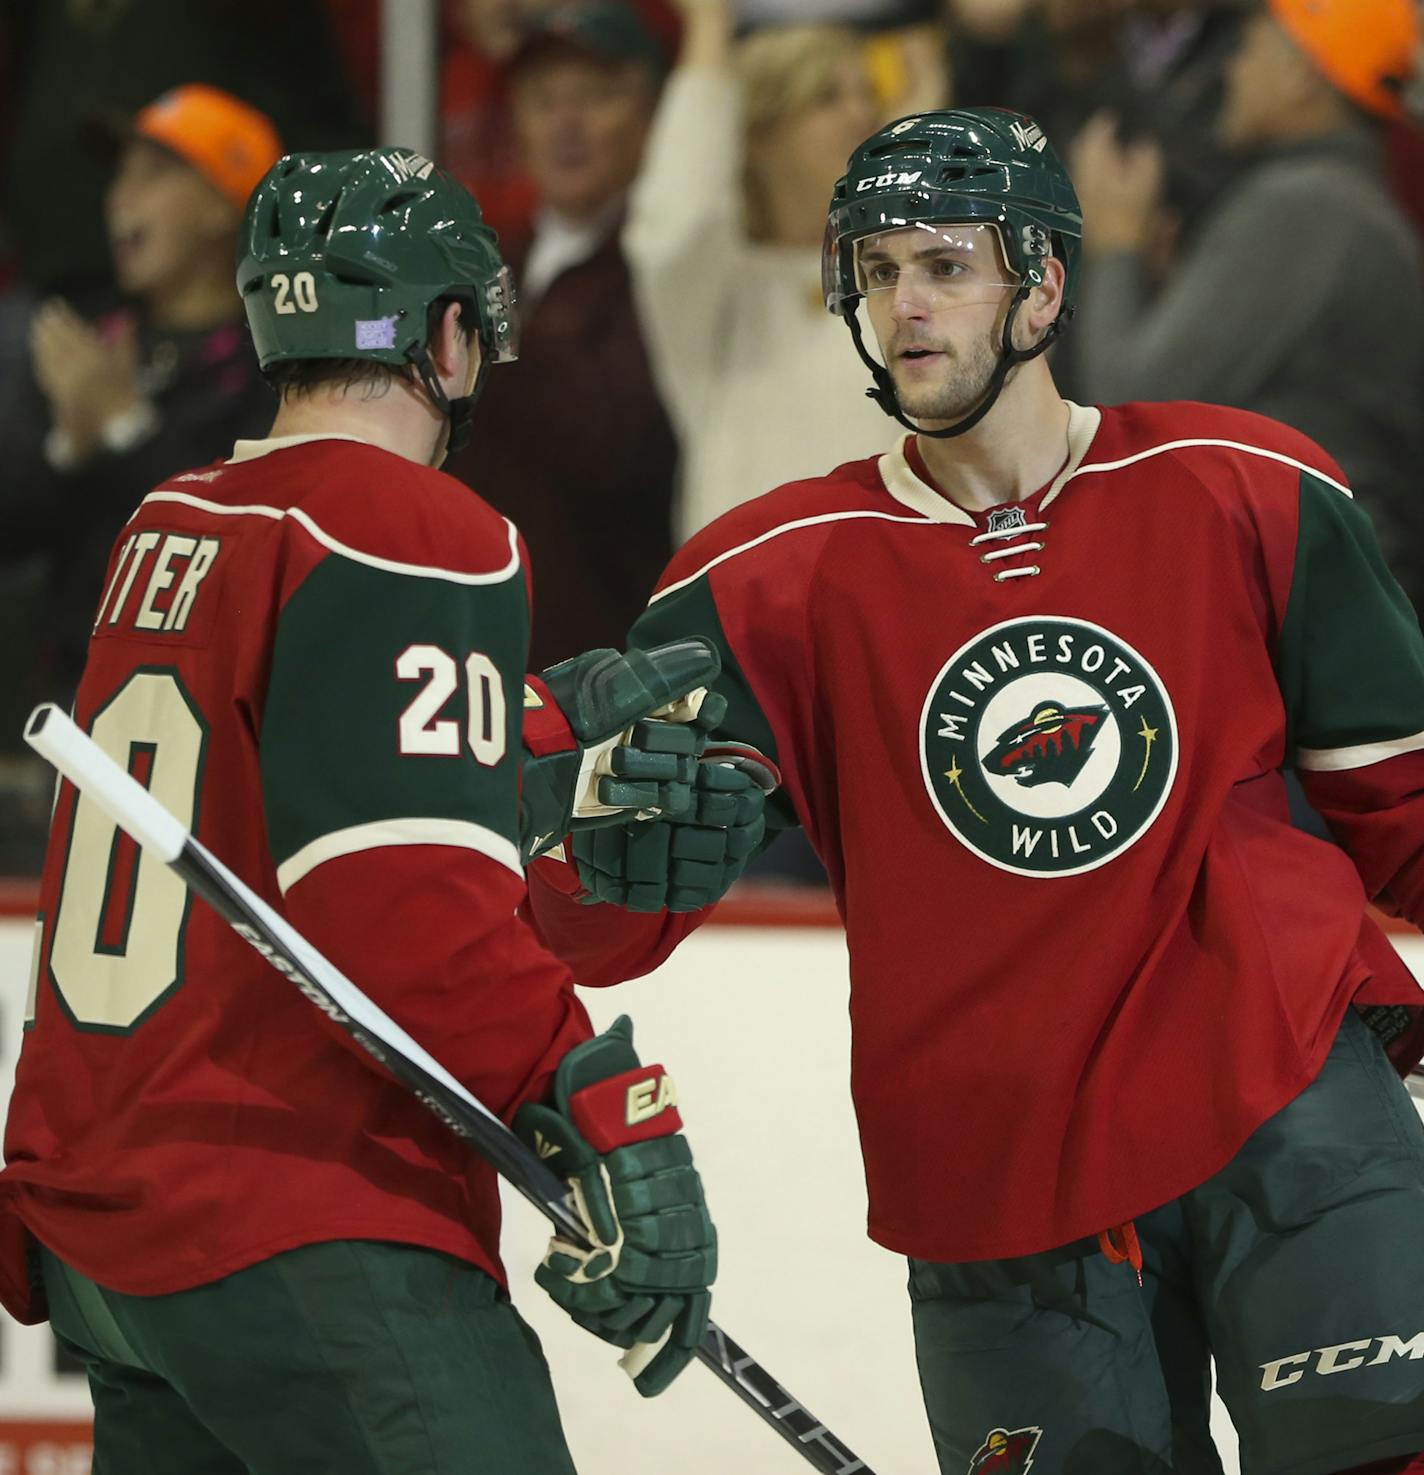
{"x": 497, "y": 306}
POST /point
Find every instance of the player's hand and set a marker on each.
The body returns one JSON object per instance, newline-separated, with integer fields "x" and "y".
{"x": 685, "y": 862}
{"x": 612, "y": 1129}
{"x": 88, "y": 377}
{"x": 650, "y": 767}
{"x": 601, "y": 692}
{"x": 640, "y": 721}
{"x": 1120, "y": 186}
{"x": 708, "y": 27}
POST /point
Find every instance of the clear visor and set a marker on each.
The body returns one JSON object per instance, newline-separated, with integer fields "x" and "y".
{"x": 937, "y": 266}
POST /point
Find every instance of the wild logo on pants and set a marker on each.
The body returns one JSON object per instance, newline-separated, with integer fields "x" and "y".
{"x": 1005, "y": 1452}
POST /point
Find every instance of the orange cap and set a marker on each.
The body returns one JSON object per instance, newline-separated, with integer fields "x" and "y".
{"x": 229, "y": 143}
{"x": 1367, "y": 48}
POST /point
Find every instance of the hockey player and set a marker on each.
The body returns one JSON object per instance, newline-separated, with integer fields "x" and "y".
{"x": 270, "y": 1256}
{"x": 1031, "y": 678}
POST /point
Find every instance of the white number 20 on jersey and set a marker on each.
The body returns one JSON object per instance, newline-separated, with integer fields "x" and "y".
{"x": 424, "y": 732}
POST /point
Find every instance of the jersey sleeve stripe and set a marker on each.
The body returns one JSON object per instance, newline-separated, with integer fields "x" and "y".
{"x": 372, "y": 560}
{"x": 786, "y": 527}
{"x": 459, "y": 833}
{"x": 1336, "y": 760}
{"x": 1229, "y": 445}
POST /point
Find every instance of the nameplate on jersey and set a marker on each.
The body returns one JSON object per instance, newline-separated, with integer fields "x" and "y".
{"x": 160, "y": 586}
{"x": 1048, "y": 745}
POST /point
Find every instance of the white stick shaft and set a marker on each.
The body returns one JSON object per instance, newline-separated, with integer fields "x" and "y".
{"x": 90, "y": 769}
{"x": 104, "y": 782}
{"x": 98, "y": 777}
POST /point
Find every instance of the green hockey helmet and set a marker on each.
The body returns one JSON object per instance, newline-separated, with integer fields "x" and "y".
{"x": 960, "y": 166}
{"x": 342, "y": 254}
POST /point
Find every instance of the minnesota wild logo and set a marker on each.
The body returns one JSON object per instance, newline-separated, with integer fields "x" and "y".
{"x": 1005, "y": 1452}
{"x": 1048, "y": 745}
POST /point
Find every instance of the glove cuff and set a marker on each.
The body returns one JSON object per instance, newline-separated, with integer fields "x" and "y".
{"x": 546, "y": 801}
{"x": 635, "y": 1106}
{"x": 547, "y": 730}
{"x": 609, "y": 1096}
{"x": 555, "y": 869}
{"x": 570, "y": 686}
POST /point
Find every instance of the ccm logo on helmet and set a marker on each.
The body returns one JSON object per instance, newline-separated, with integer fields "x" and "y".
{"x": 650, "y": 1098}
{"x": 888, "y": 181}
{"x": 1343, "y": 1357}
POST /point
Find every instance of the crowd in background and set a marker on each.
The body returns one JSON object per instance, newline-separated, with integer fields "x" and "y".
{"x": 658, "y": 171}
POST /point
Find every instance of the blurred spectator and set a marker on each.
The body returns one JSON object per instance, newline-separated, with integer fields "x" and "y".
{"x": 1404, "y": 149}
{"x": 165, "y": 381}
{"x": 1302, "y": 297}
{"x": 909, "y": 68}
{"x": 74, "y": 59}
{"x": 723, "y": 238}
{"x": 839, "y": 12}
{"x": 478, "y": 142}
{"x": 571, "y": 442}
{"x": 1157, "y": 64}
{"x": 355, "y": 26}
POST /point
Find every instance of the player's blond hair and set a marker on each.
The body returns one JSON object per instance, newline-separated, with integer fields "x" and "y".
{"x": 781, "y": 71}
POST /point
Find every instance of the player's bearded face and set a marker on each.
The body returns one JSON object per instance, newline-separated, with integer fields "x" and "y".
{"x": 936, "y": 297}
{"x": 947, "y": 382}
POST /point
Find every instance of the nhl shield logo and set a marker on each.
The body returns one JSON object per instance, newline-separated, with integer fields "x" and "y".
{"x": 1005, "y": 1452}
{"x": 1006, "y": 520}
{"x": 1048, "y": 745}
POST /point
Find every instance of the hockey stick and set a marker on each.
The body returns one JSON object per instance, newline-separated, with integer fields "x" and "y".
{"x": 80, "y": 760}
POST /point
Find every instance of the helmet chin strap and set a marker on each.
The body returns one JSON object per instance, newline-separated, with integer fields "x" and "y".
{"x": 884, "y": 393}
{"x": 458, "y": 409}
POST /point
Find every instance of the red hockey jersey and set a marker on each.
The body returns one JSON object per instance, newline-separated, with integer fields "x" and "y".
{"x": 314, "y": 655}
{"x": 1039, "y": 751}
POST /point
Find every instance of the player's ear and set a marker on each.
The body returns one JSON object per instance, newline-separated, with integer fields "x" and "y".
{"x": 448, "y": 344}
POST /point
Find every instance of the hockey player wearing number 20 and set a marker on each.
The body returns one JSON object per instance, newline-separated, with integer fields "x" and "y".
{"x": 1031, "y": 678}
{"x": 269, "y": 1254}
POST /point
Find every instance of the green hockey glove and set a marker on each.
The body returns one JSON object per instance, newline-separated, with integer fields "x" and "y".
{"x": 607, "y": 733}
{"x": 681, "y": 862}
{"x": 612, "y": 1129}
